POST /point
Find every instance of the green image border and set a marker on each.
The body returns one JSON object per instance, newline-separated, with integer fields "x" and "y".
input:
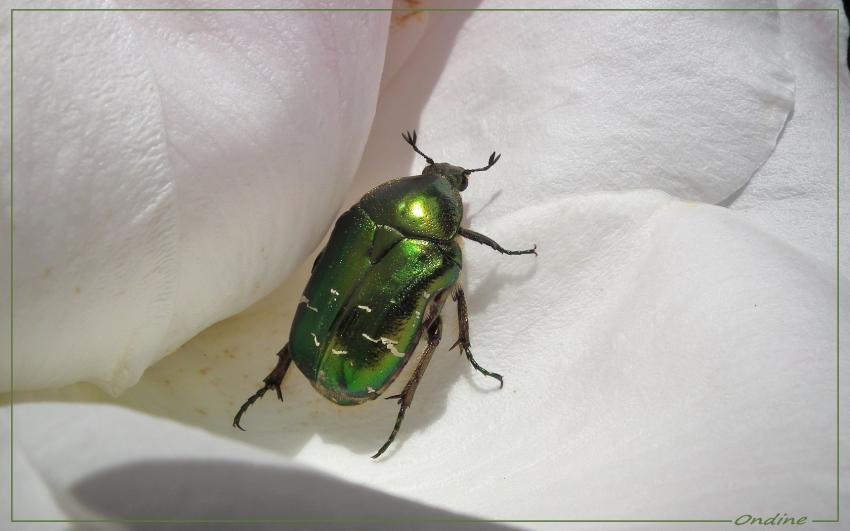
{"x": 12, "y": 12}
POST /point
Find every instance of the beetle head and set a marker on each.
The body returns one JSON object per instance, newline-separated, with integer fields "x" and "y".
{"x": 457, "y": 176}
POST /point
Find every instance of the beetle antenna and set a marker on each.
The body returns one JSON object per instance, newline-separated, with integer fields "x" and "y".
{"x": 494, "y": 158}
{"x": 411, "y": 139}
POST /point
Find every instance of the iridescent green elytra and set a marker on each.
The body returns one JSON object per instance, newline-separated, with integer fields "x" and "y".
{"x": 380, "y": 281}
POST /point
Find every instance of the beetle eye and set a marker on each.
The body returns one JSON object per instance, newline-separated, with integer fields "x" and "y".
{"x": 464, "y": 183}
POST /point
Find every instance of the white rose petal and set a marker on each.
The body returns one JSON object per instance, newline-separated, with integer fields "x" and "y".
{"x": 794, "y": 194}
{"x": 662, "y": 358}
{"x": 652, "y": 342}
{"x": 687, "y": 102}
{"x": 170, "y": 170}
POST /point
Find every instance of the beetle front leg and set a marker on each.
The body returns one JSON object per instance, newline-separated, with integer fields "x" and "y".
{"x": 463, "y": 336}
{"x": 480, "y": 238}
{"x": 435, "y": 333}
{"x": 272, "y": 381}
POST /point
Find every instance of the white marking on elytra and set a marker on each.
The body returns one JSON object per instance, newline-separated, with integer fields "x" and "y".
{"x": 370, "y": 389}
{"x": 339, "y": 352}
{"x": 321, "y": 374}
{"x": 315, "y": 339}
{"x": 334, "y": 292}
{"x": 389, "y": 343}
{"x": 392, "y": 301}
{"x": 425, "y": 294}
{"x": 418, "y": 313}
{"x": 306, "y": 302}
{"x": 364, "y": 308}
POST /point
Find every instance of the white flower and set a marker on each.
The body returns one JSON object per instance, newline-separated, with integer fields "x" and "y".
{"x": 670, "y": 354}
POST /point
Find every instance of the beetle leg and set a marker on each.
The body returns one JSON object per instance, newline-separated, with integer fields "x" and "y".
{"x": 480, "y": 238}
{"x": 272, "y": 381}
{"x": 463, "y": 336}
{"x": 435, "y": 333}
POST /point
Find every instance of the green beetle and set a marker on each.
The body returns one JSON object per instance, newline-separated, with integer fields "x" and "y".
{"x": 380, "y": 281}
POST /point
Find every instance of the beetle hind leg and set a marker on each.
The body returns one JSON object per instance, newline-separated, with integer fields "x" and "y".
{"x": 272, "y": 381}
{"x": 405, "y": 398}
{"x": 463, "y": 336}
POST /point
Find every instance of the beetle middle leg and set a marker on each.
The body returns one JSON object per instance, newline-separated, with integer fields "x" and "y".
{"x": 405, "y": 398}
{"x": 480, "y": 238}
{"x": 272, "y": 381}
{"x": 463, "y": 336}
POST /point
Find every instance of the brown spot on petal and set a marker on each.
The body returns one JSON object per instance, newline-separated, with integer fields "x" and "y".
{"x": 400, "y": 18}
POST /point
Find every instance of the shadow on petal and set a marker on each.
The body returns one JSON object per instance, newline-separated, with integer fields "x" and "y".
{"x": 228, "y": 490}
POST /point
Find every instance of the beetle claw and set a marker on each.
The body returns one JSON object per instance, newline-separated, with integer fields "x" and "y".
{"x": 272, "y": 383}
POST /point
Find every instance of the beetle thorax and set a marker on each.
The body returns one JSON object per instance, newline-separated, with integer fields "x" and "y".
{"x": 427, "y": 206}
